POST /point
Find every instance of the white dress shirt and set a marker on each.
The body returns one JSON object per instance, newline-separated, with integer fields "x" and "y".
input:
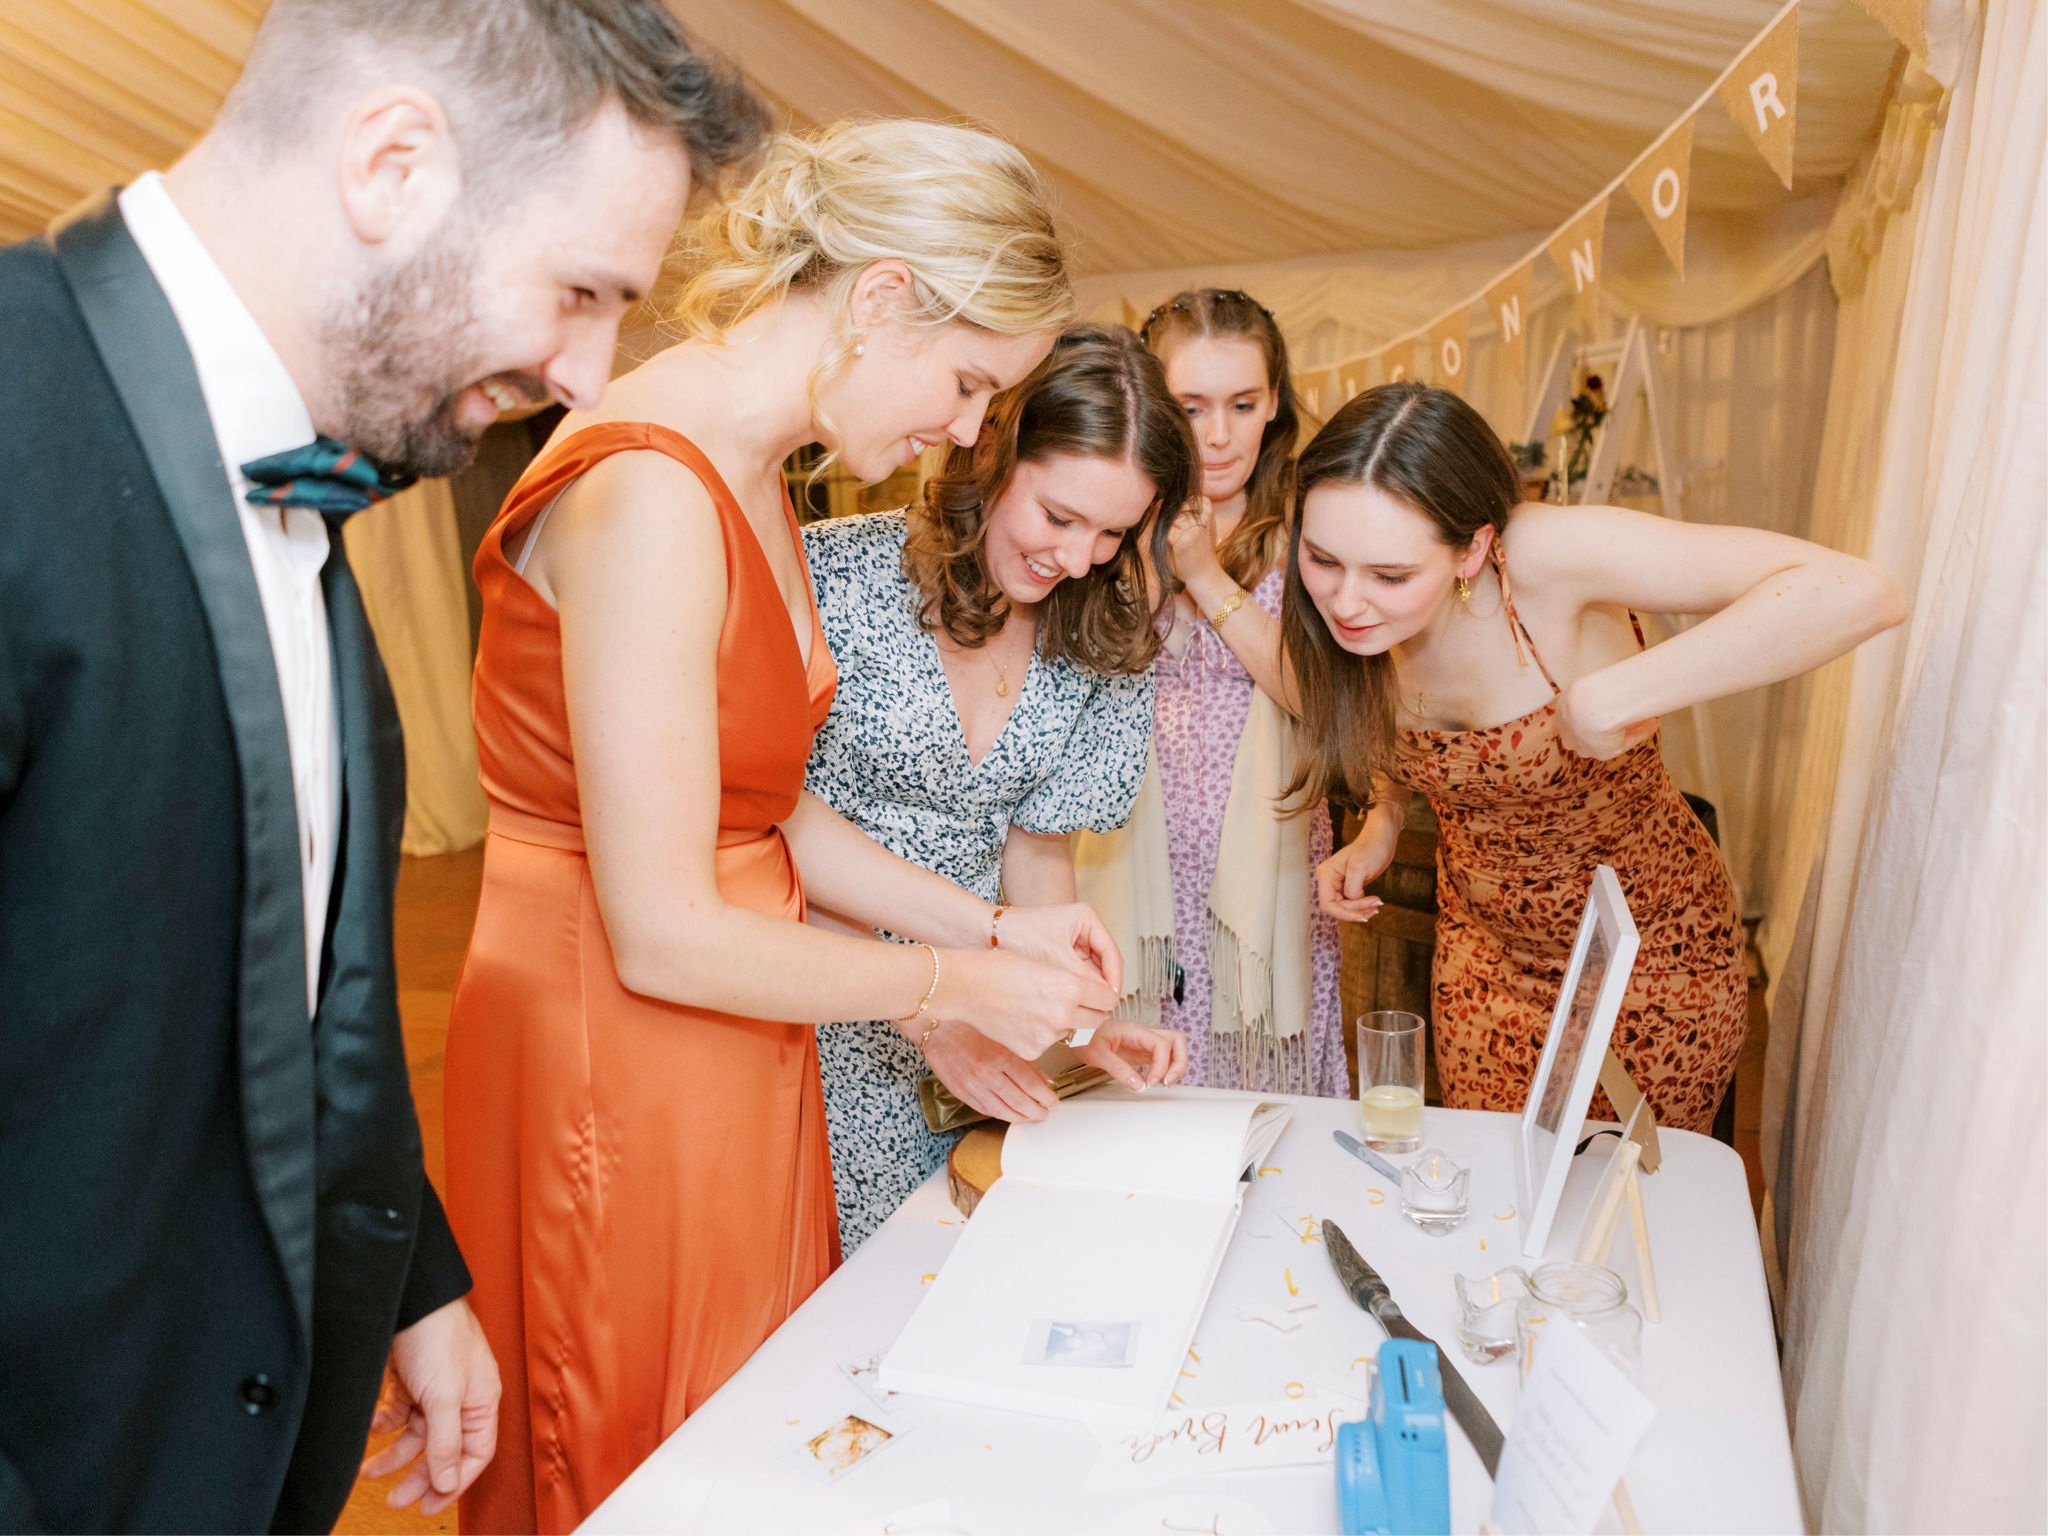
{"x": 257, "y": 411}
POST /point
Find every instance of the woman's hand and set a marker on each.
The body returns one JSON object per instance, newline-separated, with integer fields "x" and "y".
{"x": 1024, "y": 1004}
{"x": 1124, "y": 1049}
{"x": 1191, "y": 550}
{"x": 1070, "y": 936}
{"x": 1587, "y": 728}
{"x": 1341, "y": 879}
{"x": 986, "y": 1076}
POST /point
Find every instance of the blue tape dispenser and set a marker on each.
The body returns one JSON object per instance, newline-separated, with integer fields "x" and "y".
{"x": 1393, "y": 1477}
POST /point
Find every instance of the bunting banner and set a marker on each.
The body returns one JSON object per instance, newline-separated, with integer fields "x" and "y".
{"x": 1661, "y": 183}
{"x": 1762, "y": 93}
{"x": 1448, "y": 347}
{"x": 1322, "y": 392}
{"x": 1508, "y": 302}
{"x": 1576, "y": 250}
{"x": 1904, "y": 19}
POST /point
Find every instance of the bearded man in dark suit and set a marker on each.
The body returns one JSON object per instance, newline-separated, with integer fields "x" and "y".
{"x": 215, "y": 1230}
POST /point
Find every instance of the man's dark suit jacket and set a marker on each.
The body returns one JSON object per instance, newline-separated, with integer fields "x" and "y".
{"x": 212, "y": 1216}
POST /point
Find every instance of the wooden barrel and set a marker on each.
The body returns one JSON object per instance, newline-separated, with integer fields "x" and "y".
{"x": 1385, "y": 963}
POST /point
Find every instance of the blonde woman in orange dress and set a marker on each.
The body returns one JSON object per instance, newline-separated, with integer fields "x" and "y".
{"x": 1452, "y": 642}
{"x": 638, "y": 1169}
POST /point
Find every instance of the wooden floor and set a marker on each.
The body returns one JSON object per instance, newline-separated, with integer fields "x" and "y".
{"x": 436, "y": 901}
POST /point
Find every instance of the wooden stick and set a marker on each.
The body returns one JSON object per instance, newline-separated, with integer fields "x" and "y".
{"x": 1646, "y": 1271}
{"x": 1625, "y": 1507}
{"x": 1596, "y": 1238}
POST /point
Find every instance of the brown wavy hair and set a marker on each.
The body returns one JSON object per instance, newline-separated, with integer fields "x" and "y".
{"x": 1254, "y": 544}
{"x": 1428, "y": 449}
{"x": 1098, "y": 394}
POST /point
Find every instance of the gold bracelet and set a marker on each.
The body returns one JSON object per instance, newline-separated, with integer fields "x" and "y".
{"x": 1230, "y": 605}
{"x": 929, "y": 992}
{"x": 924, "y": 1041}
{"x": 994, "y": 922}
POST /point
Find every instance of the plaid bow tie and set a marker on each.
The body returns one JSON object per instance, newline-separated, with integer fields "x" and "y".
{"x": 327, "y": 476}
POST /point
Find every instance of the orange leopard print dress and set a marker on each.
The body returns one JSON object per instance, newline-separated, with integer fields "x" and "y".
{"x": 1521, "y": 823}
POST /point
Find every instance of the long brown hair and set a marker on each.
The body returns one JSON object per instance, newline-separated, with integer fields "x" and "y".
{"x": 1254, "y": 544}
{"x": 1431, "y": 451}
{"x": 1099, "y": 394}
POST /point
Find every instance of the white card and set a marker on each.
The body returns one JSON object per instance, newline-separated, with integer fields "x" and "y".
{"x": 1578, "y": 1422}
{"x": 831, "y": 1450}
{"x": 1242, "y": 1437}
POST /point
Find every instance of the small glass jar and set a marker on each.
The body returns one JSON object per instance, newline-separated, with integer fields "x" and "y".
{"x": 1486, "y": 1313}
{"x": 1434, "y": 1192}
{"x": 1587, "y": 1297}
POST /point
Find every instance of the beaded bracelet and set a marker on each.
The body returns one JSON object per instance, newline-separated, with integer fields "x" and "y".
{"x": 929, "y": 992}
{"x": 994, "y": 923}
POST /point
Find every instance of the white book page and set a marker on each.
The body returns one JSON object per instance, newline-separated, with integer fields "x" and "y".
{"x": 1080, "y": 1255}
{"x": 1155, "y": 1142}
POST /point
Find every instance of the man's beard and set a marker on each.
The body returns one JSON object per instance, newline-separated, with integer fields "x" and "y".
{"x": 403, "y": 353}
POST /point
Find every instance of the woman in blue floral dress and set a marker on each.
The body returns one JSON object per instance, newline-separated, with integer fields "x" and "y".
{"x": 993, "y": 645}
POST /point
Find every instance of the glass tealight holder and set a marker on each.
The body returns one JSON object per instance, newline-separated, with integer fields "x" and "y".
{"x": 1583, "y": 1296}
{"x": 1486, "y": 1313}
{"x": 1434, "y": 1191}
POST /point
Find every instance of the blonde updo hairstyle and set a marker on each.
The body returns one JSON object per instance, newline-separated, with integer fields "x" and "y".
{"x": 961, "y": 208}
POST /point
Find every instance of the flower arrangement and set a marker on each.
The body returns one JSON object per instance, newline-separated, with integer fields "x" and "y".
{"x": 1577, "y": 423}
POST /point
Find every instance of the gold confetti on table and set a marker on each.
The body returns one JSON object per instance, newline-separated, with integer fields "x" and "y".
{"x": 1506, "y": 1215}
{"x": 1375, "y": 1197}
{"x": 926, "y": 1279}
{"x": 1193, "y": 1356}
{"x": 1295, "y": 1389}
{"x": 1292, "y": 1288}
{"x": 1271, "y": 1169}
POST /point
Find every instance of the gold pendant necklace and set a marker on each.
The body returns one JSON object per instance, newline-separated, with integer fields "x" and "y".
{"x": 1002, "y": 678}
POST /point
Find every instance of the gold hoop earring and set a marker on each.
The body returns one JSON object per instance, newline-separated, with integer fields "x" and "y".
{"x": 1464, "y": 590}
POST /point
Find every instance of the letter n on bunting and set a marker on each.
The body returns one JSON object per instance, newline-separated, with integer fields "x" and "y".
{"x": 1576, "y": 250}
{"x": 1508, "y": 302}
{"x": 1762, "y": 92}
{"x": 1662, "y": 186}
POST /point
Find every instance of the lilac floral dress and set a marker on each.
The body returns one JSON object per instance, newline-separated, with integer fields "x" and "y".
{"x": 1204, "y": 695}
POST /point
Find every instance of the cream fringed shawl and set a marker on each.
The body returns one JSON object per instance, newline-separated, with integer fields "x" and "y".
{"x": 1261, "y": 991}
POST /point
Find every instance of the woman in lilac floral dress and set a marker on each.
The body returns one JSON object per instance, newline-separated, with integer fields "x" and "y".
{"x": 1226, "y": 362}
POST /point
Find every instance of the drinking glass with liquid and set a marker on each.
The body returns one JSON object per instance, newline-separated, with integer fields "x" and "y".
{"x": 1390, "y": 1080}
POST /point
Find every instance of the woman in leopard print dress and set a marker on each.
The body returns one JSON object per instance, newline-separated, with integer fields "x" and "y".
{"x": 1451, "y": 642}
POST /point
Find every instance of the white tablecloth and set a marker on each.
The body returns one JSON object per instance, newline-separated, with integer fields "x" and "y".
{"x": 1717, "y": 1459}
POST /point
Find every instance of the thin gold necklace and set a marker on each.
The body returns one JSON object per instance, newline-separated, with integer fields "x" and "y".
{"x": 1002, "y": 677}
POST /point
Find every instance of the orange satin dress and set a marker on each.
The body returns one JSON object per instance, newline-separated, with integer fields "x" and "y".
{"x": 643, "y": 1191}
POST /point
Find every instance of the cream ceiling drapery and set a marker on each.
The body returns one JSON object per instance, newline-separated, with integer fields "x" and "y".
{"x": 1175, "y": 131}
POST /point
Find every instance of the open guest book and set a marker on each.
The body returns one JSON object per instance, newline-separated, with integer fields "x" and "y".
{"x": 1076, "y": 1286}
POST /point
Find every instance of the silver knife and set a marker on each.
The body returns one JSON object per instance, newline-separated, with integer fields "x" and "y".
{"x": 1363, "y": 1284}
{"x": 1366, "y": 1155}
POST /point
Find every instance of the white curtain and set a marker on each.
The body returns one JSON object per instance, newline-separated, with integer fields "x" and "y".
{"x": 408, "y": 563}
{"x": 1913, "y": 1189}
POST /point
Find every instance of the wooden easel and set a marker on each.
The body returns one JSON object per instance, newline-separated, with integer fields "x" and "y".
{"x": 1631, "y": 390}
{"x": 1623, "y": 1183}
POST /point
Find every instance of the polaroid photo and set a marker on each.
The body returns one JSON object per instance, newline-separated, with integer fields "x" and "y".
{"x": 1063, "y": 1341}
{"x": 866, "y": 1373}
{"x": 834, "y": 1449}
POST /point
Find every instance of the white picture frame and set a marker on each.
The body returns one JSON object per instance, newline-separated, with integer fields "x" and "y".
{"x": 1588, "y": 1003}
